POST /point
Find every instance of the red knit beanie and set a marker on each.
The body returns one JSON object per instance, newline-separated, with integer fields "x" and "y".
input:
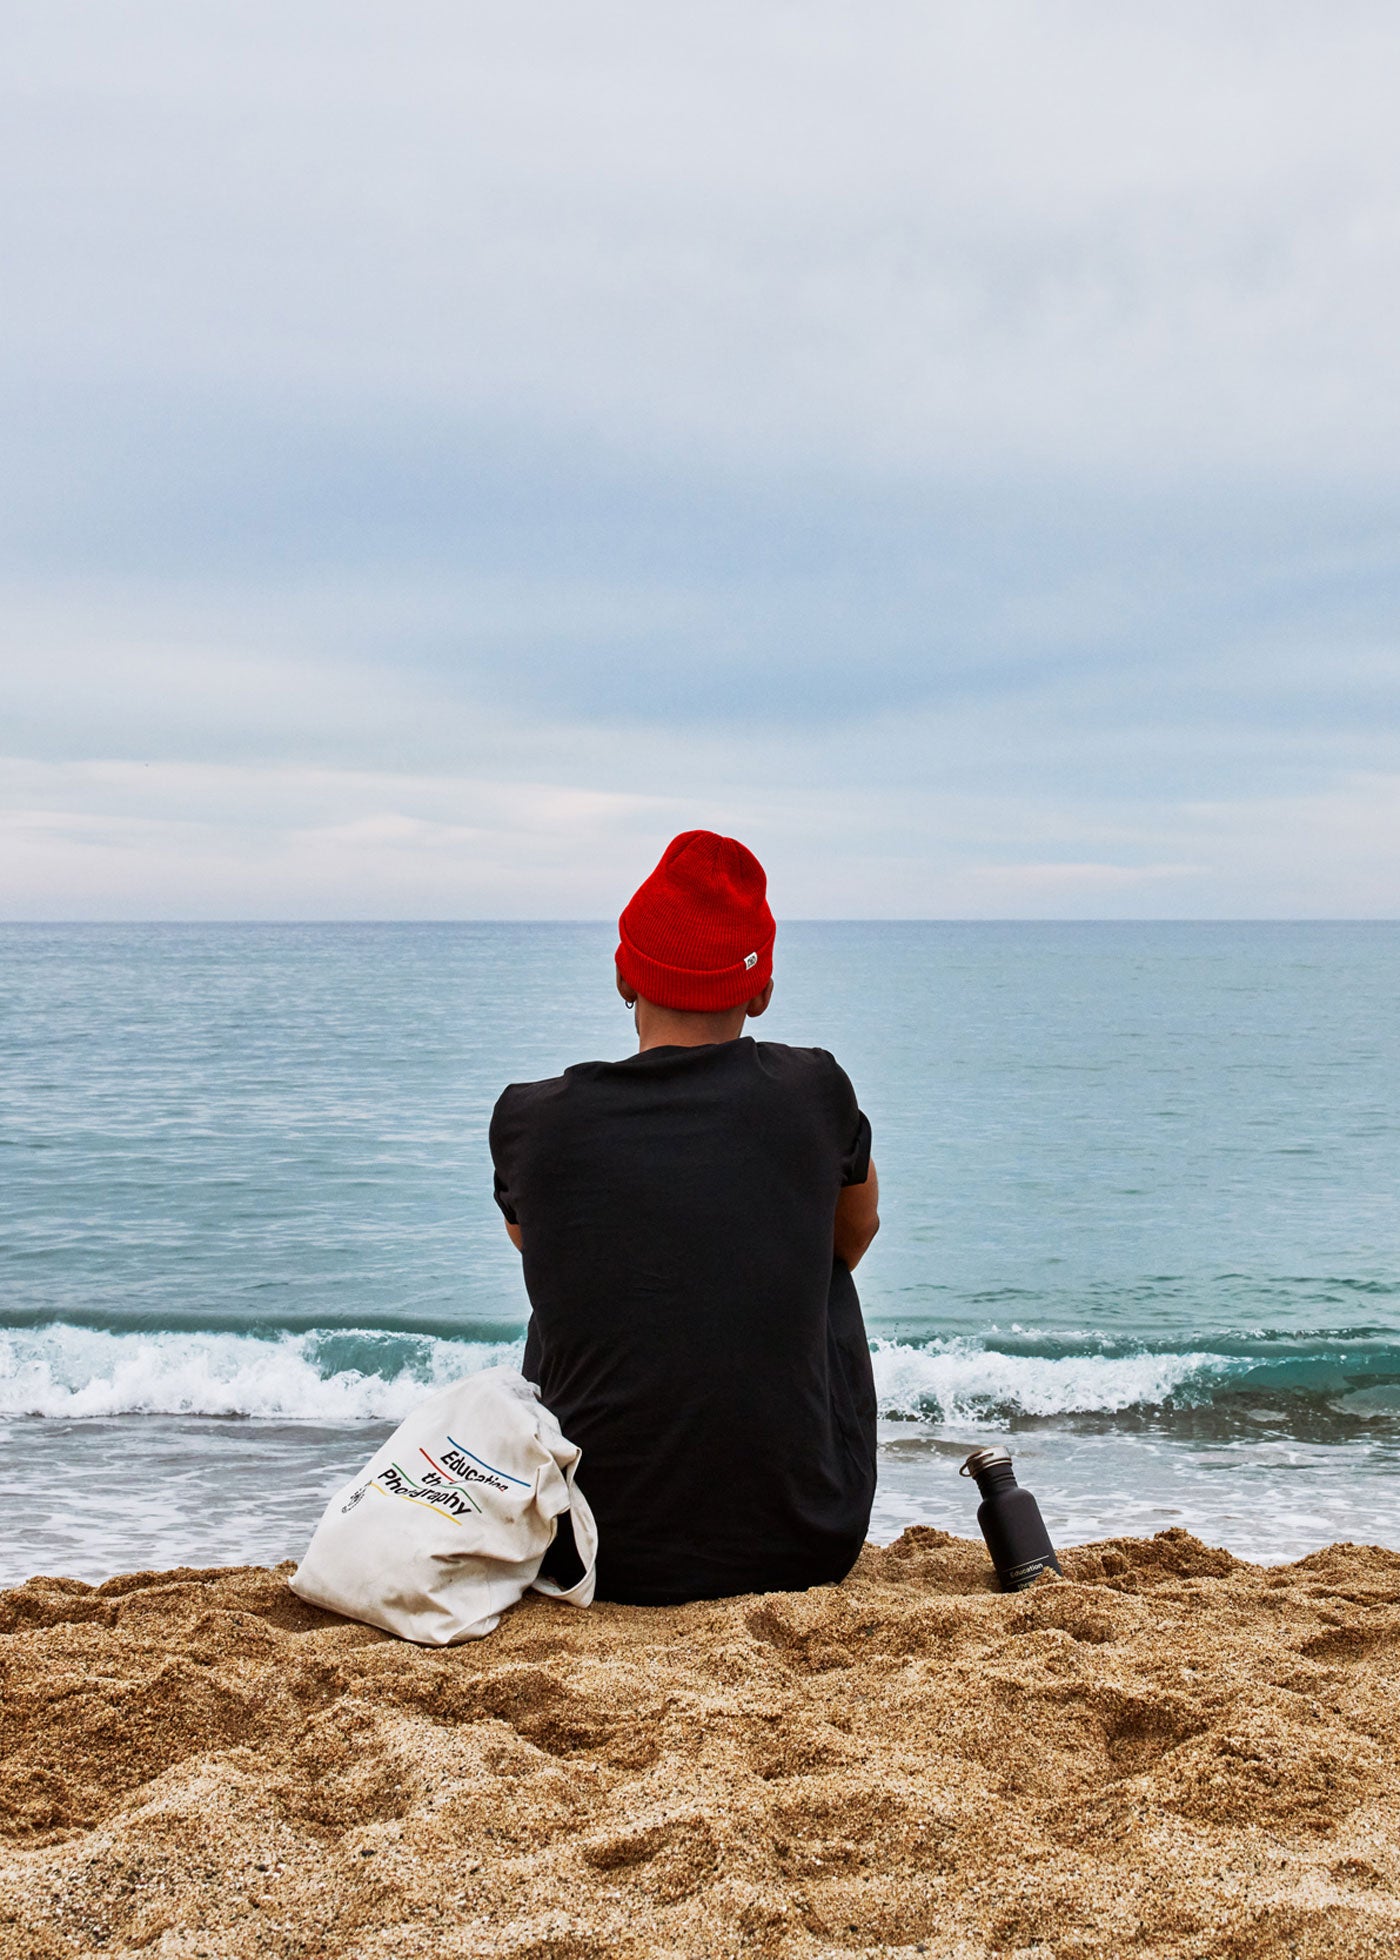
{"x": 698, "y": 934}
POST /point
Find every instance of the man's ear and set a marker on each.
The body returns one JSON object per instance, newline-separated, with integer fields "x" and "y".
{"x": 628, "y": 993}
{"x": 759, "y": 1002}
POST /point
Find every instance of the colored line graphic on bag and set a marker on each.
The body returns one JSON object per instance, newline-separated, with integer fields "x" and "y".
{"x": 444, "y": 1489}
{"x": 462, "y": 1451}
{"x": 434, "y": 1491}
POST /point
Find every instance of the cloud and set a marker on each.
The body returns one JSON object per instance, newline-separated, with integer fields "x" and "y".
{"x": 959, "y": 444}
{"x": 1084, "y": 239}
{"x": 267, "y": 842}
{"x": 1078, "y": 879}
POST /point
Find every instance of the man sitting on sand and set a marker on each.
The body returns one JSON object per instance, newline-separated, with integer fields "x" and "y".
{"x": 689, "y": 1219}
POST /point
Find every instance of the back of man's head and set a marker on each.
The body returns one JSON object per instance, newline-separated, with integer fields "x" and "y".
{"x": 697, "y": 936}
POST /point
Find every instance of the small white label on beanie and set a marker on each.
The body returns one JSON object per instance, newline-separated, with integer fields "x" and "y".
{"x": 750, "y": 960}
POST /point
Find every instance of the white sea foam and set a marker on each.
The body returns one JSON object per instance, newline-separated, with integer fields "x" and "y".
{"x": 959, "y": 1381}
{"x": 350, "y": 1375}
{"x": 77, "y": 1371}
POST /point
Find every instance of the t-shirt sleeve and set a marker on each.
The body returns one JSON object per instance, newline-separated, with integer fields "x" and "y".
{"x": 853, "y": 1127}
{"x": 501, "y": 1134}
{"x": 855, "y": 1164}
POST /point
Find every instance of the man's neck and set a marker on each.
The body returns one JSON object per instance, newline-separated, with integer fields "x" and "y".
{"x": 667, "y": 1027}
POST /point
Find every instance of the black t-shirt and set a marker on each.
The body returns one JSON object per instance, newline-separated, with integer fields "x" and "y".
{"x": 690, "y": 1327}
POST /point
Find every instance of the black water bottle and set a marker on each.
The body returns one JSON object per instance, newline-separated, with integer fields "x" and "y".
{"x": 1010, "y": 1520}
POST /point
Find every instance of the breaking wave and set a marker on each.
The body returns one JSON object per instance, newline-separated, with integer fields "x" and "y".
{"x": 363, "y": 1374}
{"x": 344, "y": 1376}
{"x": 962, "y": 1381}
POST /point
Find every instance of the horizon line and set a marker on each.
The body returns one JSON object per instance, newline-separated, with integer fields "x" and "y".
{"x": 826, "y": 919}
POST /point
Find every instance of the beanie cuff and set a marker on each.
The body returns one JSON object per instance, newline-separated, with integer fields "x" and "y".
{"x": 696, "y": 992}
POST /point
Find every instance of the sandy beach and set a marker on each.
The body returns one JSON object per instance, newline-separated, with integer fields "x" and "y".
{"x": 1169, "y": 1752}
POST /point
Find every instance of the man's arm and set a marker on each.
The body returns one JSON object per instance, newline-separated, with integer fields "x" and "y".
{"x": 857, "y": 1220}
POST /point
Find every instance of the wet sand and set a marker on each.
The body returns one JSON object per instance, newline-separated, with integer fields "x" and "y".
{"x": 1167, "y": 1753}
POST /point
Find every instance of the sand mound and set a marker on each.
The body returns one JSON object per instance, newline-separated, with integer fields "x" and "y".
{"x": 1167, "y": 1753}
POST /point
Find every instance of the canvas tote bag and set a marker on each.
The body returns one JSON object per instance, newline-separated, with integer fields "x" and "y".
{"x": 446, "y": 1525}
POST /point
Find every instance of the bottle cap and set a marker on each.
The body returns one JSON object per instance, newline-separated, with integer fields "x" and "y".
{"x": 981, "y": 1460}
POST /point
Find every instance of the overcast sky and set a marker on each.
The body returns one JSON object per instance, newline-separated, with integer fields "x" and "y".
{"x": 449, "y": 448}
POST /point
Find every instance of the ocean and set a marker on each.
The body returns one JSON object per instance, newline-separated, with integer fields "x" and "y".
{"x": 1139, "y": 1192}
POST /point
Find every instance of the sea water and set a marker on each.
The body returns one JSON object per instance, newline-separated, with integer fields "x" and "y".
{"x": 1139, "y": 1192}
